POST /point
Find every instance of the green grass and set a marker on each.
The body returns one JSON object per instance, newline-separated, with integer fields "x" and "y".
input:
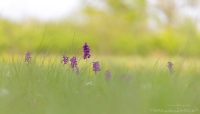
{"x": 51, "y": 88}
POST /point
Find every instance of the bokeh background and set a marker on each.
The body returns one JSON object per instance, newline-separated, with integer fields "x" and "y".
{"x": 111, "y": 27}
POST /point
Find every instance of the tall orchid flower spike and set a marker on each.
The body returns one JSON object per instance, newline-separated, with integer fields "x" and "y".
{"x": 28, "y": 57}
{"x": 170, "y": 66}
{"x": 73, "y": 62}
{"x": 65, "y": 59}
{"x": 96, "y": 67}
{"x": 86, "y": 50}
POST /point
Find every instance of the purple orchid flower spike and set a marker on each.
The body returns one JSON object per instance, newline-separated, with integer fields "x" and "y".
{"x": 96, "y": 67}
{"x": 170, "y": 66}
{"x": 28, "y": 57}
{"x": 86, "y": 50}
{"x": 65, "y": 59}
{"x": 73, "y": 62}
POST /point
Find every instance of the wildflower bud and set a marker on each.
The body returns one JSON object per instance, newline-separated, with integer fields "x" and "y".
{"x": 170, "y": 65}
{"x": 65, "y": 59}
{"x": 96, "y": 67}
{"x": 86, "y": 50}
{"x": 73, "y": 62}
{"x": 28, "y": 57}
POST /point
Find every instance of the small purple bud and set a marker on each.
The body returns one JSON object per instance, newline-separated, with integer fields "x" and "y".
{"x": 28, "y": 57}
{"x": 96, "y": 67}
{"x": 73, "y": 62}
{"x": 65, "y": 59}
{"x": 86, "y": 50}
{"x": 108, "y": 75}
{"x": 170, "y": 65}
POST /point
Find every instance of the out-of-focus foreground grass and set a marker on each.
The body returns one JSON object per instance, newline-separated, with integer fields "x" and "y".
{"x": 139, "y": 85}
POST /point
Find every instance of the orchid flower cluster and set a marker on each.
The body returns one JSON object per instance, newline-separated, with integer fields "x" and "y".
{"x": 73, "y": 61}
{"x": 95, "y": 67}
{"x": 65, "y": 60}
{"x": 28, "y": 57}
{"x": 170, "y": 66}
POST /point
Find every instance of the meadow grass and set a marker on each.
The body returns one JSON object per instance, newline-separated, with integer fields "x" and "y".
{"x": 137, "y": 86}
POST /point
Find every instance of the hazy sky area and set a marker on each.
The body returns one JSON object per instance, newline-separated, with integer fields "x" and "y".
{"x": 43, "y": 10}
{"x": 183, "y": 9}
{"x": 46, "y": 10}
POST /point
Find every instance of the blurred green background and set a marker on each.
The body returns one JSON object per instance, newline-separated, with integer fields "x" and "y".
{"x": 121, "y": 27}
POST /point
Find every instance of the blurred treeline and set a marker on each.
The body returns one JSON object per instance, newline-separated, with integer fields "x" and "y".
{"x": 115, "y": 27}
